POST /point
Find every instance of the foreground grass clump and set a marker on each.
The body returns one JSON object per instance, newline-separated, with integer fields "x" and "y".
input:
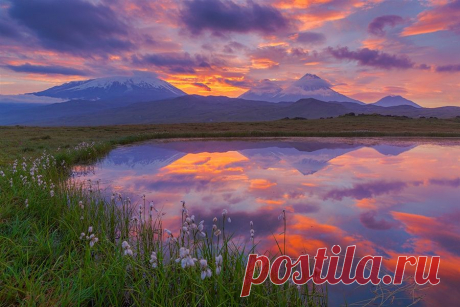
{"x": 63, "y": 244}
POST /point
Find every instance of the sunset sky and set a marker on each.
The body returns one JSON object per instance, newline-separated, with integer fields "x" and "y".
{"x": 365, "y": 49}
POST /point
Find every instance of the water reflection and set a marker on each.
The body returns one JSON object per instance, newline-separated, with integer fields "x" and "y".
{"x": 389, "y": 198}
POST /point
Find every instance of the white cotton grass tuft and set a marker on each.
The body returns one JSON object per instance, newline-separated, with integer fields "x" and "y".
{"x": 127, "y": 251}
{"x": 185, "y": 258}
{"x": 219, "y": 261}
{"x": 153, "y": 260}
{"x": 91, "y": 237}
{"x": 224, "y": 212}
{"x": 205, "y": 270}
{"x": 229, "y": 220}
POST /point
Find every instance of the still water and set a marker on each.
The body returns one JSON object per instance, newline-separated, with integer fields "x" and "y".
{"x": 387, "y": 197}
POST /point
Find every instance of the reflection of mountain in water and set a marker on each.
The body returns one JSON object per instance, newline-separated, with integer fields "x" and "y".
{"x": 392, "y": 150}
{"x": 142, "y": 156}
{"x": 306, "y": 157}
{"x": 306, "y": 163}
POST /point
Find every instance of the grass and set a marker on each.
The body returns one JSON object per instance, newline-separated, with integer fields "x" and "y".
{"x": 44, "y": 262}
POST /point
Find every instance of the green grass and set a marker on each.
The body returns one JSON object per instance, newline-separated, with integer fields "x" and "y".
{"x": 45, "y": 262}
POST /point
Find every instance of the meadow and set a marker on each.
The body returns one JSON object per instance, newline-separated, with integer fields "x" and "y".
{"x": 62, "y": 243}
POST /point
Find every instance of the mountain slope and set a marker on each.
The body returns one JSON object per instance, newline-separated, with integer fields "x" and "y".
{"x": 136, "y": 88}
{"x": 195, "y": 109}
{"x": 309, "y": 86}
{"x": 395, "y": 100}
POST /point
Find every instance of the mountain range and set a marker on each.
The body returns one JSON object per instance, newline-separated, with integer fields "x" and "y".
{"x": 309, "y": 86}
{"x": 145, "y": 99}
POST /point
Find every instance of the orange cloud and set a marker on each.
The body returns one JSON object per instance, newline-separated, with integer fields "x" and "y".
{"x": 260, "y": 184}
{"x": 441, "y": 17}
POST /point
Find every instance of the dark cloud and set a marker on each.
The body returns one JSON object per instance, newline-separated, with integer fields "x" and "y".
{"x": 203, "y": 86}
{"x": 424, "y": 67}
{"x": 369, "y": 221}
{"x": 282, "y": 54}
{"x": 46, "y": 69}
{"x": 454, "y": 183}
{"x": 226, "y": 16}
{"x": 367, "y": 190}
{"x": 8, "y": 30}
{"x": 374, "y": 58}
{"x": 310, "y": 38}
{"x": 377, "y": 25}
{"x": 75, "y": 26}
{"x": 238, "y": 83}
{"x": 181, "y": 62}
{"x": 448, "y": 68}
{"x": 233, "y": 46}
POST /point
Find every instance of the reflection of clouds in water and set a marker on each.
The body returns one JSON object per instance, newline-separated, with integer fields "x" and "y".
{"x": 386, "y": 199}
{"x": 367, "y": 190}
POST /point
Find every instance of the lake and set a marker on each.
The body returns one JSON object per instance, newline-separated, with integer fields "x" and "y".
{"x": 388, "y": 197}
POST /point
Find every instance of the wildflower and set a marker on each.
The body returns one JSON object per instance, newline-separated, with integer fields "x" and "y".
{"x": 127, "y": 249}
{"x": 224, "y": 212}
{"x": 217, "y": 232}
{"x": 92, "y": 240}
{"x": 82, "y": 236}
{"x": 153, "y": 260}
{"x": 251, "y": 223}
{"x": 90, "y": 229}
{"x": 218, "y": 264}
{"x": 214, "y": 219}
{"x": 185, "y": 259}
{"x": 27, "y": 203}
{"x": 214, "y": 227}
{"x": 168, "y": 232}
{"x": 80, "y": 203}
{"x": 229, "y": 220}
{"x": 2, "y": 174}
{"x": 52, "y": 193}
{"x": 200, "y": 227}
{"x": 205, "y": 271}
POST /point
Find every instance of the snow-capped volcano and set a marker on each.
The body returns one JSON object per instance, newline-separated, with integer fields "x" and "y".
{"x": 140, "y": 87}
{"x": 309, "y": 86}
{"x": 395, "y": 100}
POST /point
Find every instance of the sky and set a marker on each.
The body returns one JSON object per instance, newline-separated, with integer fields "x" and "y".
{"x": 365, "y": 49}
